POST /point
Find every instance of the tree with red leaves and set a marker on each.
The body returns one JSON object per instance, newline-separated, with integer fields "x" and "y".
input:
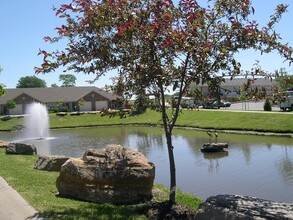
{"x": 156, "y": 45}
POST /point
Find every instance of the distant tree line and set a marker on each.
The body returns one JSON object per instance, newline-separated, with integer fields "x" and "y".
{"x": 68, "y": 80}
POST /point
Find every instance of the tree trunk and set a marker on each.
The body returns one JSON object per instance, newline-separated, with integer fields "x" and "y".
{"x": 172, "y": 194}
{"x": 168, "y": 127}
{"x": 168, "y": 134}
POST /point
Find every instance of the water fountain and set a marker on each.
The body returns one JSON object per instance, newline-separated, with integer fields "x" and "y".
{"x": 36, "y": 122}
{"x": 36, "y": 128}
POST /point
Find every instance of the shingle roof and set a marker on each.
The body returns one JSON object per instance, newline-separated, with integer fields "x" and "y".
{"x": 240, "y": 81}
{"x": 47, "y": 95}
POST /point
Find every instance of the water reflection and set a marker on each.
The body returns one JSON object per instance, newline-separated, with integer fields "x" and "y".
{"x": 285, "y": 166}
{"x": 214, "y": 160}
{"x": 213, "y": 156}
{"x": 253, "y": 165}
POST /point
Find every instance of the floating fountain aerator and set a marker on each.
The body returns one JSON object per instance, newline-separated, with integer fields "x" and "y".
{"x": 37, "y": 122}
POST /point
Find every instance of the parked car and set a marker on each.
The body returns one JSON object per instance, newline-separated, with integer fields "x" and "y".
{"x": 286, "y": 101}
{"x": 216, "y": 104}
{"x": 212, "y": 104}
{"x": 225, "y": 103}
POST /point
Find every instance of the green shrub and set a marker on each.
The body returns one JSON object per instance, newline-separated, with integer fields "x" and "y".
{"x": 6, "y": 118}
{"x": 267, "y": 105}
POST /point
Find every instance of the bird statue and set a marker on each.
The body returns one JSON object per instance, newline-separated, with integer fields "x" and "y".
{"x": 216, "y": 136}
{"x": 210, "y": 135}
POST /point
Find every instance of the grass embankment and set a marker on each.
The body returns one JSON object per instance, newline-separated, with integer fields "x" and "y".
{"x": 38, "y": 188}
{"x": 222, "y": 120}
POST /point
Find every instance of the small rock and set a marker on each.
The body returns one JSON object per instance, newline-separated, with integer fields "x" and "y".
{"x": 61, "y": 114}
{"x": 21, "y": 148}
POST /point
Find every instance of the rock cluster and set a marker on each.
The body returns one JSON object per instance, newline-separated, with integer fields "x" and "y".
{"x": 115, "y": 175}
{"x": 230, "y": 207}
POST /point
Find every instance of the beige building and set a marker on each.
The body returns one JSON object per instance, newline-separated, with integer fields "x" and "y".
{"x": 69, "y": 98}
{"x": 230, "y": 89}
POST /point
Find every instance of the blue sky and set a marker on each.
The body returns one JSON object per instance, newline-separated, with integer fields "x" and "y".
{"x": 24, "y": 23}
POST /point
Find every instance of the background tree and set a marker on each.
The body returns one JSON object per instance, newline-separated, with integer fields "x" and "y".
{"x": 2, "y": 91}
{"x": 156, "y": 45}
{"x": 194, "y": 92}
{"x": 284, "y": 81}
{"x": 54, "y": 85}
{"x": 30, "y": 82}
{"x": 81, "y": 102}
{"x": 10, "y": 104}
{"x": 68, "y": 80}
{"x": 61, "y": 106}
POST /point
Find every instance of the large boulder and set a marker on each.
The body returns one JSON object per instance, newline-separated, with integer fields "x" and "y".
{"x": 21, "y": 148}
{"x": 235, "y": 207}
{"x": 50, "y": 163}
{"x": 115, "y": 175}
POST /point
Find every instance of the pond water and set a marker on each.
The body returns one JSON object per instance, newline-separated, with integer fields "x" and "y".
{"x": 254, "y": 165}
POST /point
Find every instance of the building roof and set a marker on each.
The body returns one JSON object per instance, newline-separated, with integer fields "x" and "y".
{"x": 47, "y": 95}
{"x": 240, "y": 81}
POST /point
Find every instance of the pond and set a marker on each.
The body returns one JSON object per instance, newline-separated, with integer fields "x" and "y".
{"x": 260, "y": 166}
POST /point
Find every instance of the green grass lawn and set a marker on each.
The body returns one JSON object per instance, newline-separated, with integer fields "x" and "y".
{"x": 276, "y": 122}
{"x": 264, "y": 122}
{"x": 38, "y": 188}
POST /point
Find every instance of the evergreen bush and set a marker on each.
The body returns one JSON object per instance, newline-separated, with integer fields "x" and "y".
{"x": 267, "y": 105}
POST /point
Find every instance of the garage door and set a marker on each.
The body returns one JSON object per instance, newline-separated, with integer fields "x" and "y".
{"x": 101, "y": 104}
{"x": 86, "y": 107}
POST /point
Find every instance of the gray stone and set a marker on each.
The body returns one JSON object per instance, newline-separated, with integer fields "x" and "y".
{"x": 50, "y": 163}
{"x": 115, "y": 175}
{"x": 235, "y": 207}
{"x": 21, "y": 148}
{"x": 61, "y": 113}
